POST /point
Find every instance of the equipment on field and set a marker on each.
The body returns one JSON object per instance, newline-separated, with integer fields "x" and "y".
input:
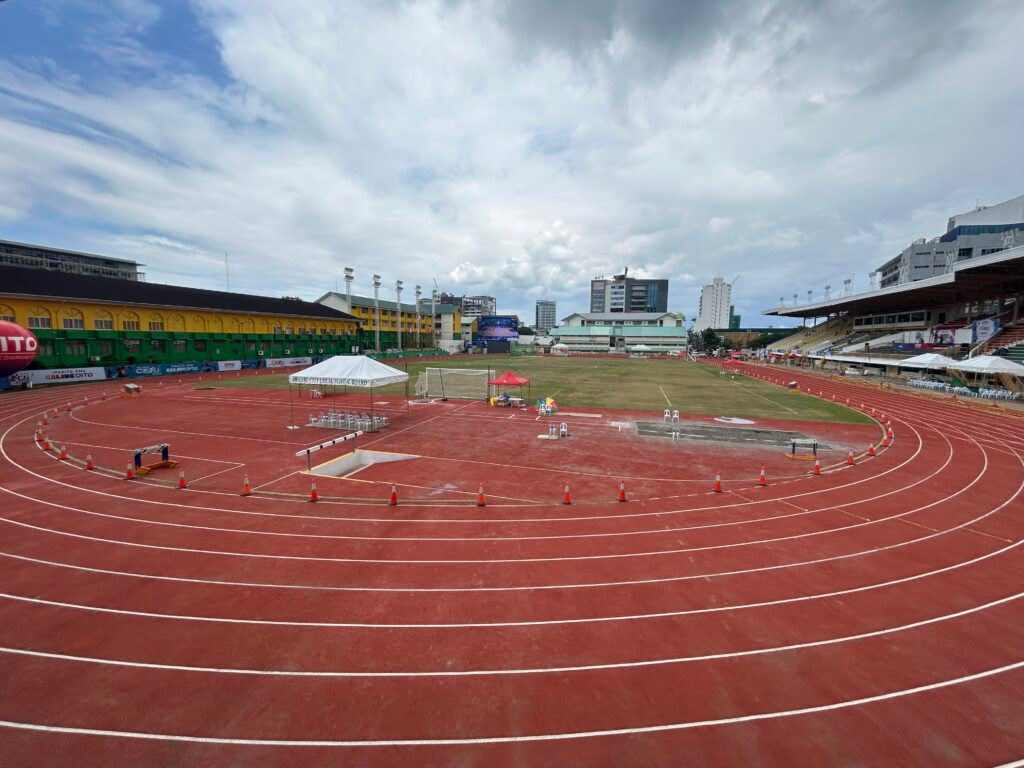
{"x": 164, "y": 462}
{"x": 457, "y": 383}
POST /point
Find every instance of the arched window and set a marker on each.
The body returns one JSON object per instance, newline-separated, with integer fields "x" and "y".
{"x": 129, "y": 321}
{"x": 103, "y": 321}
{"x": 198, "y": 323}
{"x": 215, "y": 325}
{"x": 175, "y": 322}
{"x": 7, "y": 313}
{"x": 72, "y": 320}
{"x": 39, "y": 317}
{"x": 156, "y": 322}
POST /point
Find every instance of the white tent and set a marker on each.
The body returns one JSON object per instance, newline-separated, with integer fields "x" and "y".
{"x": 349, "y": 371}
{"x": 928, "y": 360}
{"x": 989, "y": 364}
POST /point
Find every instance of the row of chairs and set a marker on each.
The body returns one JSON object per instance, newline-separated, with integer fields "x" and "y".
{"x": 990, "y": 393}
{"x": 351, "y": 421}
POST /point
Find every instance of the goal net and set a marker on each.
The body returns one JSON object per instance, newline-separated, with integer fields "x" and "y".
{"x": 458, "y": 383}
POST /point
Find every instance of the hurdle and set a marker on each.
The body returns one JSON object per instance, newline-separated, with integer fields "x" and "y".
{"x": 164, "y": 462}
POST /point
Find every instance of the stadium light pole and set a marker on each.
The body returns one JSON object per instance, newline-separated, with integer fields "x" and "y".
{"x": 349, "y": 276}
{"x": 376, "y": 311}
{"x": 419, "y": 292}
{"x": 433, "y": 318}
{"x": 398, "y": 310}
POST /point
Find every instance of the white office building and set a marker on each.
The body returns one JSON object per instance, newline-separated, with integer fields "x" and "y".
{"x": 545, "y": 316}
{"x": 715, "y": 302}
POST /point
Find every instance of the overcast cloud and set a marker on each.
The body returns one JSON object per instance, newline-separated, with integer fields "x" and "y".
{"x": 511, "y": 148}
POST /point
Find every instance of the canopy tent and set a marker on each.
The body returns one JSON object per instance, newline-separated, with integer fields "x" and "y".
{"x": 349, "y": 371}
{"x": 346, "y": 371}
{"x": 928, "y": 360}
{"x": 508, "y": 379}
{"x": 989, "y": 364}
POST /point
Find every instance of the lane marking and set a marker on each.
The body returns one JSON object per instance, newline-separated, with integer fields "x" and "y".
{"x": 523, "y": 671}
{"x": 567, "y": 735}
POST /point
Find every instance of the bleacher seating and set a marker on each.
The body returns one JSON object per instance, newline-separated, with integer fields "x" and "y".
{"x": 811, "y": 338}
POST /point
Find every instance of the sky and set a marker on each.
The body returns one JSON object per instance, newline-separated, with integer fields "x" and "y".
{"x": 516, "y": 149}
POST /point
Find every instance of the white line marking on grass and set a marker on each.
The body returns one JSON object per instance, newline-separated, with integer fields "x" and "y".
{"x": 669, "y": 402}
{"x": 526, "y": 670}
{"x": 564, "y": 736}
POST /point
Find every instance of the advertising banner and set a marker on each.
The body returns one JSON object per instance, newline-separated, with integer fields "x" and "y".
{"x": 229, "y": 365}
{"x": 288, "y": 362}
{"x": 57, "y": 376}
{"x": 985, "y": 329}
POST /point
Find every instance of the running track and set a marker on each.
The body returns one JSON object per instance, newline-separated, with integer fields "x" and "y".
{"x": 870, "y": 616}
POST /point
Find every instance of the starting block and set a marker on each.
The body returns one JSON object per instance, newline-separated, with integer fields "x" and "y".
{"x": 164, "y": 462}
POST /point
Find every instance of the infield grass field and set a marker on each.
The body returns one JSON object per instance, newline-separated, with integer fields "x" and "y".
{"x": 629, "y": 384}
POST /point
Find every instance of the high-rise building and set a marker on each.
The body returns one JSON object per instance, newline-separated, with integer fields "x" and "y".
{"x": 545, "y": 319}
{"x": 714, "y": 305}
{"x": 622, "y": 293}
{"x": 476, "y": 306}
{"x": 72, "y": 262}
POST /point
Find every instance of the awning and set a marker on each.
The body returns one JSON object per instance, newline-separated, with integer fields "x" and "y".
{"x": 349, "y": 371}
{"x": 928, "y": 360}
{"x": 989, "y": 364}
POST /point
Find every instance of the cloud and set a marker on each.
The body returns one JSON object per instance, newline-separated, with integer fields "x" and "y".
{"x": 510, "y": 148}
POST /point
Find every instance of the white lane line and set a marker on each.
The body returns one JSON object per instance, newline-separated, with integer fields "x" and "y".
{"x": 616, "y": 556}
{"x": 563, "y": 736}
{"x": 179, "y": 431}
{"x": 529, "y": 623}
{"x": 522, "y": 671}
{"x": 131, "y": 450}
{"x": 234, "y": 465}
{"x": 139, "y": 500}
{"x": 275, "y": 481}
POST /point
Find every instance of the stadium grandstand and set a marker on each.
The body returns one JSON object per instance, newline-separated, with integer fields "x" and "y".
{"x": 969, "y": 310}
{"x": 87, "y": 320}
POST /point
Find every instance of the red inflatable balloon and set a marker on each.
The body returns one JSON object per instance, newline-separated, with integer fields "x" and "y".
{"x": 18, "y": 348}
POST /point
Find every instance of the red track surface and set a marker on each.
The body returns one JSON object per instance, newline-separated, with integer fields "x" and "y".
{"x": 870, "y": 616}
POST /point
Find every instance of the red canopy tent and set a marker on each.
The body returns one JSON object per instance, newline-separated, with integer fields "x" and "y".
{"x": 509, "y": 379}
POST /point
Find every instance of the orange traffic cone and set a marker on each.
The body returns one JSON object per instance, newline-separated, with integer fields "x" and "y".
{"x": 130, "y": 472}
{"x": 182, "y": 485}
{"x": 480, "y": 500}
{"x": 871, "y": 450}
{"x": 850, "y": 461}
{"x": 817, "y": 467}
{"x": 718, "y": 483}
{"x": 622, "y": 491}
{"x": 63, "y": 455}
{"x": 762, "y": 479}
{"x": 393, "y": 499}
{"x": 246, "y": 487}
{"x": 44, "y": 421}
{"x": 891, "y": 434}
{"x": 46, "y": 443}
{"x": 313, "y": 495}
{"x": 88, "y": 462}
{"x": 566, "y": 495}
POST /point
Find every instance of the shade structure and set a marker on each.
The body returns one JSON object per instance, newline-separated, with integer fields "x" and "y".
{"x": 349, "y": 371}
{"x": 508, "y": 379}
{"x": 929, "y": 360}
{"x": 989, "y": 364}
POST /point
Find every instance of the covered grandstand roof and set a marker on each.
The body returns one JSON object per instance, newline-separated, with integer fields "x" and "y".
{"x": 983, "y": 277}
{"x": 25, "y": 281}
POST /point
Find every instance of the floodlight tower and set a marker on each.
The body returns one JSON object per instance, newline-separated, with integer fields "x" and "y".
{"x": 433, "y": 316}
{"x": 828, "y": 291}
{"x": 376, "y": 311}
{"x": 419, "y": 292}
{"x": 398, "y": 310}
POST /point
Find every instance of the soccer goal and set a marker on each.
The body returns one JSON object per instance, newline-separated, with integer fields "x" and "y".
{"x": 458, "y": 383}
